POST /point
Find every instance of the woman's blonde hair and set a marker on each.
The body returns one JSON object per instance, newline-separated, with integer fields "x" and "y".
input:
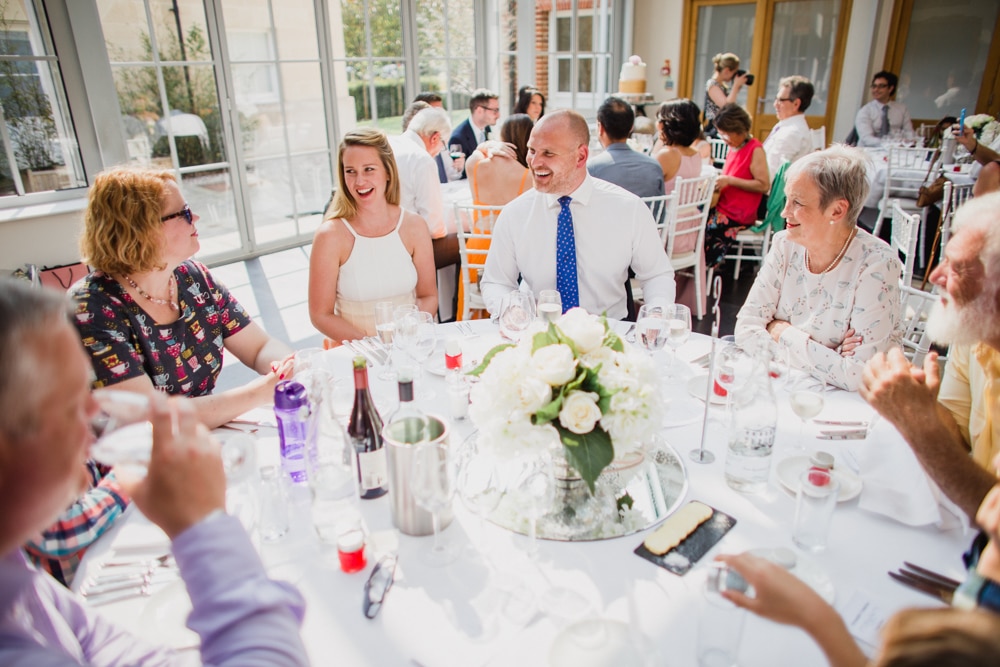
{"x": 940, "y": 638}
{"x": 122, "y": 227}
{"x": 344, "y": 204}
{"x": 724, "y": 60}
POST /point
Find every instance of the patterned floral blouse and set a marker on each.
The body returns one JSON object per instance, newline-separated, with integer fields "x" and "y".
{"x": 861, "y": 292}
{"x": 183, "y": 357}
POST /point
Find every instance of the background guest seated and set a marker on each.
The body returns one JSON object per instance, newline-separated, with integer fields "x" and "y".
{"x": 679, "y": 129}
{"x": 619, "y": 163}
{"x": 151, "y": 317}
{"x": 743, "y": 182}
{"x": 988, "y": 179}
{"x": 530, "y": 101}
{"x": 883, "y": 118}
{"x": 368, "y": 248}
{"x": 494, "y": 177}
{"x": 825, "y": 278}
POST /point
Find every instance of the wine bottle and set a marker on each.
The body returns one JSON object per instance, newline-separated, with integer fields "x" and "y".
{"x": 408, "y": 424}
{"x": 365, "y": 432}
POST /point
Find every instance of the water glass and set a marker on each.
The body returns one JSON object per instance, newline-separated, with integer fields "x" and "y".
{"x": 806, "y": 395}
{"x": 678, "y": 318}
{"x": 517, "y": 312}
{"x": 433, "y": 481}
{"x": 817, "y": 498}
{"x": 651, "y": 327}
{"x": 549, "y": 305}
{"x": 274, "y": 519}
{"x": 720, "y": 628}
{"x": 385, "y": 326}
{"x": 123, "y": 431}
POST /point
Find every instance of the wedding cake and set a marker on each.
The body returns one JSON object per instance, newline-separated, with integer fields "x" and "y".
{"x": 633, "y": 76}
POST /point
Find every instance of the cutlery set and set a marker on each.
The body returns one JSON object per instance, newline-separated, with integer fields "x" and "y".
{"x": 371, "y": 348}
{"x": 926, "y": 581}
{"x": 129, "y": 578}
{"x": 859, "y": 430}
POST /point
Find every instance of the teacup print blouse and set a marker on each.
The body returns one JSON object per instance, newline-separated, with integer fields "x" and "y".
{"x": 183, "y": 357}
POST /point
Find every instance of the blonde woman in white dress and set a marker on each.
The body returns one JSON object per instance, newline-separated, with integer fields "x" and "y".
{"x": 368, "y": 248}
{"x": 828, "y": 291}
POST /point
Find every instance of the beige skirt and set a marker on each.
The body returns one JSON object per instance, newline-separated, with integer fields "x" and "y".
{"x": 362, "y": 313}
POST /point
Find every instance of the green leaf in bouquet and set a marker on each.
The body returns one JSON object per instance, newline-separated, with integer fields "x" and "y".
{"x": 588, "y": 453}
{"x": 478, "y": 370}
{"x": 545, "y": 338}
{"x": 614, "y": 341}
{"x": 549, "y": 411}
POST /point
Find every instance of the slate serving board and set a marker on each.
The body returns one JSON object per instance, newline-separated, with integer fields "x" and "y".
{"x": 682, "y": 558}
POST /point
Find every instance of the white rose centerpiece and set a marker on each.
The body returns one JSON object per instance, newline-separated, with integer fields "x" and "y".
{"x": 577, "y": 383}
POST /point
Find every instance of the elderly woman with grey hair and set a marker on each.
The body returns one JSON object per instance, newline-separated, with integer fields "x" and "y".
{"x": 828, "y": 291}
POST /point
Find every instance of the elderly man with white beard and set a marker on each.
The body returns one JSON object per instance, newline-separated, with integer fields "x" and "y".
{"x": 949, "y": 422}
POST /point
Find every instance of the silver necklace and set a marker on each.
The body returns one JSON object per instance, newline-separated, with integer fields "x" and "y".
{"x": 836, "y": 260}
{"x": 171, "y": 301}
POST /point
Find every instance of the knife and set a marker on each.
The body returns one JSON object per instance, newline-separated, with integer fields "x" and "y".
{"x": 834, "y": 422}
{"x": 357, "y": 349}
{"x": 853, "y": 434}
{"x": 931, "y": 574}
{"x": 925, "y": 586}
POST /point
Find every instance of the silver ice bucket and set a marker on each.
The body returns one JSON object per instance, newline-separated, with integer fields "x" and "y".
{"x": 407, "y": 515}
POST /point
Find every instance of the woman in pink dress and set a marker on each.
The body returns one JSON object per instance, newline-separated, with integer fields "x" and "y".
{"x": 744, "y": 180}
{"x": 679, "y": 129}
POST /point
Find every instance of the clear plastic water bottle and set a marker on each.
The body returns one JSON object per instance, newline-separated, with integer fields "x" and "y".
{"x": 291, "y": 408}
{"x": 751, "y": 436}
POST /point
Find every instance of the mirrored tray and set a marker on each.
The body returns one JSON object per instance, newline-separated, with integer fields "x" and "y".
{"x": 655, "y": 481}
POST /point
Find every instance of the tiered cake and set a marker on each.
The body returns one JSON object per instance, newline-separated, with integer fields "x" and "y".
{"x": 633, "y": 76}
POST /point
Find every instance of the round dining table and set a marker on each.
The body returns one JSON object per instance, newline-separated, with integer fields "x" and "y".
{"x": 489, "y": 606}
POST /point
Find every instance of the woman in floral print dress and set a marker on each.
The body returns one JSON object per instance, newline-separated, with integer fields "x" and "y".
{"x": 828, "y": 290}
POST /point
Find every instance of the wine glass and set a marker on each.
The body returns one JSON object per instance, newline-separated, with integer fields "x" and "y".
{"x": 517, "y": 311}
{"x": 238, "y": 452}
{"x": 806, "y": 396}
{"x": 455, "y": 151}
{"x": 678, "y": 318}
{"x": 549, "y": 305}
{"x": 421, "y": 341}
{"x": 733, "y": 368}
{"x": 385, "y": 326}
{"x": 432, "y": 477}
{"x": 651, "y": 327}
{"x": 124, "y": 435}
{"x": 538, "y": 489}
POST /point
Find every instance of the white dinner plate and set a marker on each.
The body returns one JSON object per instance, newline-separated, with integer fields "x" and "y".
{"x": 790, "y": 469}
{"x": 696, "y": 387}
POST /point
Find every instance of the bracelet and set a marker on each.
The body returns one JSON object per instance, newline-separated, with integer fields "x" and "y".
{"x": 973, "y": 151}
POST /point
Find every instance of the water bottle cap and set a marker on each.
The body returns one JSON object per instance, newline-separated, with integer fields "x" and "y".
{"x": 453, "y": 348}
{"x": 822, "y": 460}
{"x": 289, "y": 395}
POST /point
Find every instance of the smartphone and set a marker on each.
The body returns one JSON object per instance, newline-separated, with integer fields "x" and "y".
{"x": 961, "y": 121}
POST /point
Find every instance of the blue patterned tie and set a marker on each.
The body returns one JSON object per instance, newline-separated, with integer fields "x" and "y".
{"x": 566, "y": 281}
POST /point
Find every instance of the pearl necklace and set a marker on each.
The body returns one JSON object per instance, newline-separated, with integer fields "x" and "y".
{"x": 171, "y": 301}
{"x": 840, "y": 255}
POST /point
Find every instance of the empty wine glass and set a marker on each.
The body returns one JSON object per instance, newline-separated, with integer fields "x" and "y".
{"x": 549, "y": 305}
{"x": 385, "y": 326}
{"x": 416, "y": 336}
{"x": 806, "y": 395}
{"x": 517, "y": 311}
{"x": 678, "y": 318}
{"x": 651, "y": 327}
{"x": 432, "y": 478}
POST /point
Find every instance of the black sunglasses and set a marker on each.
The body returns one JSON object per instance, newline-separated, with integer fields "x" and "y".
{"x": 378, "y": 584}
{"x": 185, "y": 212}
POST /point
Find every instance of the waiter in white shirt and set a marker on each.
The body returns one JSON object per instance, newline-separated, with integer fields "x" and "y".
{"x": 790, "y": 138}
{"x": 573, "y": 232}
{"x": 883, "y": 117}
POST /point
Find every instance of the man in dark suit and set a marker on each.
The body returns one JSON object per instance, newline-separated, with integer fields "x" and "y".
{"x": 484, "y": 111}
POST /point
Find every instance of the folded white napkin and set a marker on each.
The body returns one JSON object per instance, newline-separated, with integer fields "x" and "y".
{"x": 895, "y": 483}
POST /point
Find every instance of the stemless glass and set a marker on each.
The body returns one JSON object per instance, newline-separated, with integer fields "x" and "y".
{"x": 433, "y": 482}
{"x": 806, "y": 396}
{"x": 123, "y": 431}
{"x": 549, "y": 305}
{"x": 517, "y": 311}
{"x": 678, "y": 318}
{"x": 651, "y": 327}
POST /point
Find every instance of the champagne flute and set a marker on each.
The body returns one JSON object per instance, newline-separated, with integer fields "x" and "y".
{"x": 651, "y": 327}
{"x": 517, "y": 312}
{"x": 806, "y": 396}
{"x": 549, "y": 305}
{"x": 433, "y": 483}
{"x": 678, "y": 318}
{"x": 385, "y": 326}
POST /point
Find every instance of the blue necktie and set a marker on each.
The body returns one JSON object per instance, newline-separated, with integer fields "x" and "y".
{"x": 884, "y": 130}
{"x": 566, "y": 281}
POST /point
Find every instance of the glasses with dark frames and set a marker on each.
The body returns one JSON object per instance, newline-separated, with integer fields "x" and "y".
{"x": 184, "y": 212}
{"x": 378, "y": 584}
{"x": 782, "y": 99}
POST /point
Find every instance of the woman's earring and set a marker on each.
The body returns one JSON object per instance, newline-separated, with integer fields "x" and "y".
{"x": 833, "y": 222}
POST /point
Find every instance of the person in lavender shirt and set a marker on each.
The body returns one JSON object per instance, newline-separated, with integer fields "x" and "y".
{"x": 46, "y": 405}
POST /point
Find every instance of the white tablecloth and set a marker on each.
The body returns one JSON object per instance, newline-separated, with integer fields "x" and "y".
{"x": 441, "y": 617}
{"x": 879, "y": 169}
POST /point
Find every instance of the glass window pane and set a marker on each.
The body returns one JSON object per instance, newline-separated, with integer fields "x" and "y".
{"x": 946, "y": 49}
{"x": 271, "y": 199}
{"x": 378, "y": 93}
{"x": 180, "y": 17}
{"x": 194, "y": 118}
{"x": 564, "y": 25}
{"x": 802, "y": 42}
{"x": 210, "y": 195}
{"x": 126, "y": 33}
{"x": 43, "y": 142}
{"x": 585, "y": 33}
{"x": 139, "y": 101}
{"x": 294, "y": 30}
{"x": 303, "y": 97}
{"x": 384, "y": 25}
{"x": 585, "y": 75}
{"x": 445, "y": 28}
{"x": 313, "y": 184}
{"x": 565, "y": 68}
{"x": 722, "y": 29}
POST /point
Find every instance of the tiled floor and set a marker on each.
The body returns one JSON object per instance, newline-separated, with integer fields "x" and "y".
{"x": 274, "y": 290}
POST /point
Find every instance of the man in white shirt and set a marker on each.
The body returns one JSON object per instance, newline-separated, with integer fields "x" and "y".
{"x": 415, "y": 149}
{"x": 883, "y": 118}
{"x": 449, "y": 168}
{"x": 790, "y": 138}
{"x": 573, "y": 232}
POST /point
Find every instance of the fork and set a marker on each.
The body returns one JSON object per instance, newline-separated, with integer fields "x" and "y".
{"x": 374, "y": 347}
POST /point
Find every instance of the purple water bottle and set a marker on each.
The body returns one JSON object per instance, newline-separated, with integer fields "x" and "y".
{"x": 291, "y": 408}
